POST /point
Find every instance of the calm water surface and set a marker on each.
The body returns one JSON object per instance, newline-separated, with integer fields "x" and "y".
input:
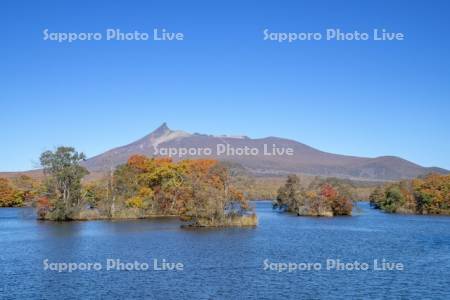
{"x": 228, "y": 263}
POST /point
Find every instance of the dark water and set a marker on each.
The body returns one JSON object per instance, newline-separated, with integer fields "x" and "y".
{"x": 227, "y": 263}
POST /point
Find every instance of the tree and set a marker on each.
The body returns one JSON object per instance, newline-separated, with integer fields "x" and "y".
{"x": 153, "y": 184}
{"x": 9, "y": 196}
{"x": 200, "y": 191}
{"x": 377, "y": 197}
{"x": 432, "y": 194}
{"x": 425, "y": 195}
{"x": 338, "y": 198}
{"x": 394, "y": 199}
{"x": 290, "y": 196}
{"x": 209, "y": 195}
{"x": 64, "y": 174}
{"x": 327, "y": 197}
{"x": 27, "y": 187}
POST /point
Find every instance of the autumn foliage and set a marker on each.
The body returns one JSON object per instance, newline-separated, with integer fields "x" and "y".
{"x": 320, "y": 198}
{"x": 428, "y": 195}
{"x": 7, "y": 193}
{"x": 199, "y": 191}
{"x": 17, "y": 191}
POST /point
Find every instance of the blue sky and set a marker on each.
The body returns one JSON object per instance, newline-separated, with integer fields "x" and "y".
{"x": 362, "y": 98}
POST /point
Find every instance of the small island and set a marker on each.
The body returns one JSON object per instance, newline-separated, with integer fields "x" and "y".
{"x": 322, "y": 198}
{"x": 201, "y": 192}
{"x": 429, "y": 195}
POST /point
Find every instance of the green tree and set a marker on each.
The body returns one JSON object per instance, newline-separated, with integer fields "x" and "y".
{"x": 290, "y": 195}
{"x": 377, "y": 197}
{"x": 394, "y": 199}
{"x": 64, "y": 174}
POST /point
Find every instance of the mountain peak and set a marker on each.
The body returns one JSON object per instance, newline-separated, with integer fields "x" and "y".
{"x": 161, "y": 130}
{"x": 306, "y": 160}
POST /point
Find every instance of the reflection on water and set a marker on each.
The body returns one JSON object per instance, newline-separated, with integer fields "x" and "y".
{"x": 228, "y": 263}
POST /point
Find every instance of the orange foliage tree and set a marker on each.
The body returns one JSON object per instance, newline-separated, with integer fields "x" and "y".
{"x": 10, "y": 196}
{"x": 427, "y": 195}
{"x": 192, "y": 189}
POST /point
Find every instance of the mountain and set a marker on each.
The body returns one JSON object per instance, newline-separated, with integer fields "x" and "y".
{"x": 303, "y": 159}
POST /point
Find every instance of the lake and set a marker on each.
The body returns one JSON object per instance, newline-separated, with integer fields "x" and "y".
{"x": 232, "y": 263}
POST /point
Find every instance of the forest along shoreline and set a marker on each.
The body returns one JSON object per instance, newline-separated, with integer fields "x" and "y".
{"x": 427, "y": 195}
{"x": 202, "y": 192}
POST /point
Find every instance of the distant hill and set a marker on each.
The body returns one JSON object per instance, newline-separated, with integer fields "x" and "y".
{"x": 305, "y": 159}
